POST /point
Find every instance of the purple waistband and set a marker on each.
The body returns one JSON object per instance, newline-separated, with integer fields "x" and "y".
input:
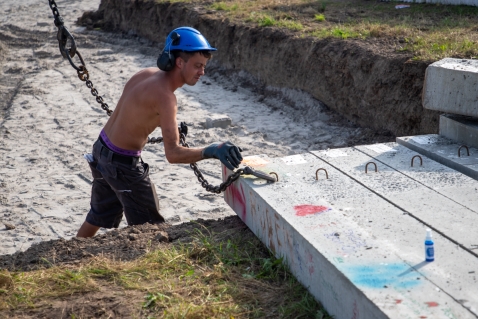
{"x": 117, "y": 149}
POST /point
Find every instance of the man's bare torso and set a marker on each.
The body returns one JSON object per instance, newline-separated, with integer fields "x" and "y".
{"x": 137, "y": 114}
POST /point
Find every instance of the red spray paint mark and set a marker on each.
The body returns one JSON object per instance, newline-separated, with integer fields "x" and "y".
{"x": 397, "y": 301}
{"x": 305, "y": 210}
{"x": 235, "y": 198}
{"x": 310, "y": 258}
{"x": 311, "y": 270}
{"x": 432, "y": 304}
{"x": 423, "y": 317}
{"x": 238, "y": 201}
{"x": 356, "y": 314}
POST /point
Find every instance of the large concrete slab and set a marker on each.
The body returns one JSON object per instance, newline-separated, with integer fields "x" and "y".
{"x": 437, "y": 211}
{"x": 462, "y": 129}
{"x": 356, "y": 251}
{"x": 451, "y": 86}
{"x": 444, "y": 151}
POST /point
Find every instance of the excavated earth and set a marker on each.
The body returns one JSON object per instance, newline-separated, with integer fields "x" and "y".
{"x": 367, "y": 82}
{"x": 121, "y": 244}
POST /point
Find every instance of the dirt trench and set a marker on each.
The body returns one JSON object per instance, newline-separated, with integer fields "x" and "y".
{"x": 364, "y": 81}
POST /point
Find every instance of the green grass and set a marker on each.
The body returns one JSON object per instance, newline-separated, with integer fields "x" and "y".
{"x": 214, "y": 276}
{"x": 223, "y": 6}
{"x": 434, "y": 31}
{"x": 319, "y": 17}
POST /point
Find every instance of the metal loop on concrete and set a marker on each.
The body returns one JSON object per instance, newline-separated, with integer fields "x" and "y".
{"x": 277, "y": 176}
{"x": 467, "y": 150}
{"x": 421, "y": 160}
{"x": 317, "y": 173}
{"x": 366, "y": 167}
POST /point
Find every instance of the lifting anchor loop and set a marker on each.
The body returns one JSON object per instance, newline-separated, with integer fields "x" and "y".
{"x": 317, "y": 173}
{"x": 467, "y": 150}
{"x": 275, "y": 174}
{"x": 366, "y": 167}
{"x": 421, "y": 160}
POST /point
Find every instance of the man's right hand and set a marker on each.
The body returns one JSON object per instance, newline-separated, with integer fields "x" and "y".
{"x": 228, "y": 153}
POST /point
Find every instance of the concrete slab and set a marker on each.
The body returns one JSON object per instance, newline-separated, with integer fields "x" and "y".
{"x": 451, "y": 86}
{"x": 462, "y": 129}
{"x": 451, "y": 219}
{"x": 356, "y": 252}
{"x": 444, "y": 151}
{"x": 454, "y": 185}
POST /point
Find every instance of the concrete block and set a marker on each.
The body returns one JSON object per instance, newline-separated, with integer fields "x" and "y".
{"x": 355, "y": 249}
{"x": 222, "y": 121}
{"x": 420, "y": 201}
{"x": 461, "y": 129}
{"x": 444, "y": 151}
{"x": 451, "y": 86}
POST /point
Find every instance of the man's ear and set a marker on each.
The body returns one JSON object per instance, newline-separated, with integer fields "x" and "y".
{"x": 179, "y": 62}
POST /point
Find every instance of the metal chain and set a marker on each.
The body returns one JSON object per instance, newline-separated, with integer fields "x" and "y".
{"x": 63, "y": 35}
{"x": 204, "y": 183}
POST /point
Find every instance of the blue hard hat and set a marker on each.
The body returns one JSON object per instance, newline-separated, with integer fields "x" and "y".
{"x": 187, "y": 39}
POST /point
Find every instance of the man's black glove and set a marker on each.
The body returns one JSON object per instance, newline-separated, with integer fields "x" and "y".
{"x": 228, "y": 153}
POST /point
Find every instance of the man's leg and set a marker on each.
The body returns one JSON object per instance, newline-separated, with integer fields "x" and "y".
{"x": 105, "y": 208}
{"x": 140, "y": 203}
{"x": 87, "y": 230}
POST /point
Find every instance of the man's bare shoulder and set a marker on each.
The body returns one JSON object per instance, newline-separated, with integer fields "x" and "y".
{"x": 142, "y": 75}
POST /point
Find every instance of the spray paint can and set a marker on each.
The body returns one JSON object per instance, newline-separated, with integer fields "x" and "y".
{"x": 429, "y": 246}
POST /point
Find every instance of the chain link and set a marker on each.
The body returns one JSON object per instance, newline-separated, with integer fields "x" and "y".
{"x": 204, "y": 183}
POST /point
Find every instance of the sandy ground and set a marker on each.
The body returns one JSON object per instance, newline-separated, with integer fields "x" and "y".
{"x": 52, "y": 120}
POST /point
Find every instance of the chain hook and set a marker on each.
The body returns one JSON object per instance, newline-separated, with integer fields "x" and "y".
{"x": 250, "y": 171}
{"x": 62, "y": 36}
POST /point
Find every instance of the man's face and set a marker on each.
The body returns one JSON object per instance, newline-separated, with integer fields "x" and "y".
{"x": 193, "y": 69}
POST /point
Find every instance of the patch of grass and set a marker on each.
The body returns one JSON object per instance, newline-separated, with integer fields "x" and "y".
{"x": 266, "y": 21}
{"x": 269, "y": 21}
{"x": 450, "y": 29}
{"x": 223, "y": 6}
{"x": 291, "y": 25}
{"x": 215, "y": 275}
{"x": 319, "y": 17}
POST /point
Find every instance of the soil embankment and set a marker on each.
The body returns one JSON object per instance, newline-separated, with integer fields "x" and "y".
{"x": 372, "y": 87}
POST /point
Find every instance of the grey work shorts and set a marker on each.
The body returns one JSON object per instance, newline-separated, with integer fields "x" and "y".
{"x": 121, "y": 184}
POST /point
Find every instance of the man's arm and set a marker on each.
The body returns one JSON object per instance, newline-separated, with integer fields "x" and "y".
{"x": 227, "y": 153}
{"x": 175, "y": 153}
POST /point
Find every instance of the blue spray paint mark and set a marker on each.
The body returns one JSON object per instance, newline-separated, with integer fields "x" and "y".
{"x": 383, "y": 275}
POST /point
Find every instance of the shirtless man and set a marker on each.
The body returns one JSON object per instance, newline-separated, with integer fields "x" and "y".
{"x": 121, "y": 179}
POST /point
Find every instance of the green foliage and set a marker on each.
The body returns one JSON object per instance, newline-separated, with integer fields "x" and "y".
{"x": 153, "y": 298}
{"x": 222, "y": 6}
{"x": 212, "y": 276}
{"x": 266, "y": 21}
{"x": 291, "y": 25}
{"x": 319, "y": 17}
